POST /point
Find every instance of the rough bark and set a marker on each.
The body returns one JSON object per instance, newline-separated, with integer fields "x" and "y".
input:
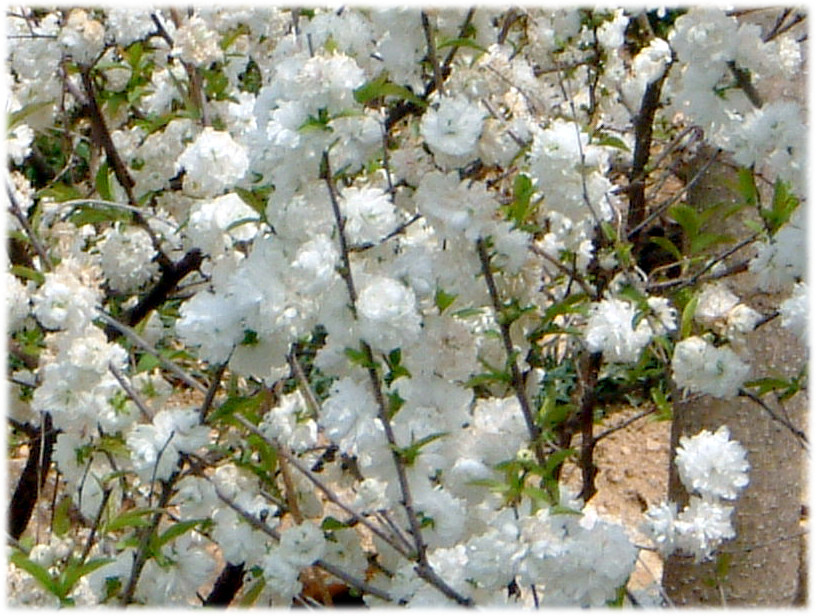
{"x": 764, "y": 561}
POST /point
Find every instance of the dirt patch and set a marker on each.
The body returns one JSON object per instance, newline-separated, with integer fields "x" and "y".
{"x": 633, "y": 474}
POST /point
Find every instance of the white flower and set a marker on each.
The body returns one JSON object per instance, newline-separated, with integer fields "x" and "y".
{"x": 18, "y": 142}
{"x": 349, "y": 414}
{"x": 212, "y": 163}
{"x": 17, "y": 303}
{"x": 388, "y": 313}
{"x": 660, "y": 526}
{"x": 67, "y": 298}
{"x": 280, "y": 575}
{"x": 282, "y": 424}
{"x": 127, "y": 258}
{"x": 700, "y": 367}
{"x": 196, "y": 43}
{"x": 702, "y": 526}
{"x": 83, "y": 38}
{"x": 155, "y": 447}
{"x": 454, "y": 127}
{"x": 454, "y": 207}
{"x": 611, "y": 329}
{"x": 302, "y": 545}
{"x": 315, "y": 263}
{"x": 211, "y": 322}
{"x": 370, "y": 215}
{"x": 794, "y": 311}
{"x": 720, "y": 309}
{"x": 493, "y": 558}
{"x": 712, "y": 465}
{"x": 215, "y": 224}
{"x": 371, "y": 495}
{"x": 128, "y": 24}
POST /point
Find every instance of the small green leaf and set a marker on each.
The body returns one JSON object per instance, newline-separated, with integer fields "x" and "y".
{"x": 103, "y": 183}
{"x": 783, "y": 205}
{"x": 62, "y": 517}
{"x": 411, "y": 453}
{"x": 60, "y": 192}
{"x": 37, "y": 571}
{"x": 22, "y": 271}
{"x": 332, "y": 523}
{"x": 395, "y": 403}
{"x": 443, "y": 300}
{"x": 76, "y": 570}
{"x": 147, "y": 362}
{"x": 687, "y": 218}
{"x": 382, "y": 88}
{"x": 136, "y": 518}
{"x": 746, "y": 186}
{"x": 461, "y": 42}
{"x": 176, "y": 530}
{"x": 251, "y": 596}
{"x": 687, "y": 317}
{"x": 667, "y": 245}
{"x": 612, "y": 141}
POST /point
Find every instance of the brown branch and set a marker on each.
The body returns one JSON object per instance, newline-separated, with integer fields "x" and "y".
{"x": 643, "y": 145}
{"x": 33, "y": 478}
{"x": 517, "y": 380}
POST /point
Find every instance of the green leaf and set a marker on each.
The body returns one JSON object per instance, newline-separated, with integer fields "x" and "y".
{"x": 360, "y": 358}
{"x": 248, "y": 406}
{"x": 62, "y": 517}
{"x": 461, "y": 42}
{"x": 667, "y": 245}
{"x": 332, "y": 523}
{"x": 21, "y": 114}
{"x": 783, "y": 204}
{"x": 76, "y": 570}
{"x": 688, "y": 218}
{"x": 94, "y": 214}
{"x": 256, "y": 198}
{"x": 251, "y": 596}
{"x": 395, "y": 403}
{"x": 746, "y": 186}
{"x": 687, "y": 317}
{"x": 661, "y": 401}
{"x": 443, "y": 300}
{"x": 466, "y": 313}
{"x": 147, "y": 362}
{"x": 520, "y": 209}
{"x": 21, "y": 271}
{"x": 382, "y": 88}
{"x": 136, "y": 518}
{"x": 176, "y": 530}
{"x": 702, "y": 241}
{"x": 37, "y": 571}
{"x": 612, "y": 141}
{"x": 411, "y": 453}
{"x": 60, "y": 192}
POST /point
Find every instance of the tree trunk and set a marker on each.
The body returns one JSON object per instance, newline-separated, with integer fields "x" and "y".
{"x": 762, "y": 565}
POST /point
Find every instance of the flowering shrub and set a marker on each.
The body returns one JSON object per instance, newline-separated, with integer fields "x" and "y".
{"x": 300, "y": 298}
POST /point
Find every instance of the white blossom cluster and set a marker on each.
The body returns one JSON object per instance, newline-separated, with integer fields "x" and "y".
{"x": 398, "y": 260}
{"x": 714, "y": 469}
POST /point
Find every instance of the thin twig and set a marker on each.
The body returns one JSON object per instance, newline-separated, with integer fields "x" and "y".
{"x": 132, "y": 394}
{"x": 143, "y": 551}
{"x": 146, "y": 346}
{"x": 263, "y": 527}
{"x": 340, "y": 221}
{"x": 799, "y": 434}
{"x": 287, "y": 455}
{"x": 429, "y": 40}
{"x": 17, "y": 212}
{"x": 625, "y": 423}
{"x": 517, "y": 380}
